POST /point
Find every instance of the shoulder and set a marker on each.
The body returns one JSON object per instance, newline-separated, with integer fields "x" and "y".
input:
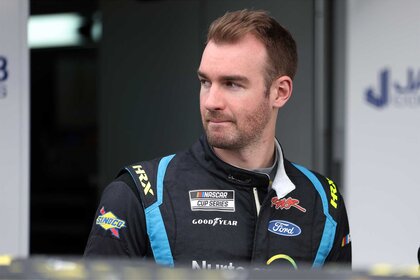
{"x": 326, "y": 188}
{"x": 146, "y": 178}
{"x": 119, "y": 196}
{"x": 335, "y": 240}
{"x": 118, "y": 227}
{"x": 298, "y": 173}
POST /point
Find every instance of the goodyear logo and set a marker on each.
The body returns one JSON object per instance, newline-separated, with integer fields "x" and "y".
{"x": 144, "y": 180}
{"x": 333, "y": 192}
{"x": 108, "y": 221}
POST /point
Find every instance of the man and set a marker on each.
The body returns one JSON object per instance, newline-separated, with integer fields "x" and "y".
{"x": 231, "y": 199}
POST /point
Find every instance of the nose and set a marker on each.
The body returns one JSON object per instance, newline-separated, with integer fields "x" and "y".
{"x": 213, "y": 98}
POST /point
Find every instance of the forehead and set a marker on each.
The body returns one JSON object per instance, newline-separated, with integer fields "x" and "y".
{"x": 245, "y": 56}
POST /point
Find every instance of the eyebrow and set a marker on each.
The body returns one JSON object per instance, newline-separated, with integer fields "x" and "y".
{"x": 236, "y": 78}
{"x": 201, "y": 74}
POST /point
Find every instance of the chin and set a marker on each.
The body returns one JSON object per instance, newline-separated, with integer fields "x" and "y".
{"x": 221, "y": 141}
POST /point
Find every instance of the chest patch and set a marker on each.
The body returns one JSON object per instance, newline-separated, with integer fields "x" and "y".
{"x": 284, "y": 228}
{"x": 212, "y": 200}
{"x": 286, "y": 203}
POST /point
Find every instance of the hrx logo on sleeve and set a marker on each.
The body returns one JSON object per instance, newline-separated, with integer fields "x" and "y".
{"x": 108, "y": 221}
{"x": 333, "y": 192}
{"x": 144, "y": 180}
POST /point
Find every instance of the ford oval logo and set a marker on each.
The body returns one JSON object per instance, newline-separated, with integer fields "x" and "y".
{"x": 284, "y": 228}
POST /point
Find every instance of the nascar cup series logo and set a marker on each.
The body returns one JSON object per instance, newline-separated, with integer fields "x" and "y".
{"x": 108, "y": 221}
{"x": 212, "y": 200}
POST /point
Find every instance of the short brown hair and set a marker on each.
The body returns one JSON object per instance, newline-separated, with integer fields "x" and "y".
{"x": 279, "y": 43}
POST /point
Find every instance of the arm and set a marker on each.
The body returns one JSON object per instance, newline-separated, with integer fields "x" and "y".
{"x": 341, "y": 251}
{"x": 119, "y": 227}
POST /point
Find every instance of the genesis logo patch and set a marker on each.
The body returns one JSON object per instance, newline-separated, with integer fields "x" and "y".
{"x": 212, "y": 200}
{"x": 284, "y": 228}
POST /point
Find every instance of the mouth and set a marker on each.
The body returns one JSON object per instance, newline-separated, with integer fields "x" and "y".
{"x": 214, "y": 118}
{"x": 217, "y": 121}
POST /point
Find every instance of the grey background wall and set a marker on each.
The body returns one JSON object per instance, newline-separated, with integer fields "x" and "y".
{"x": 149, "y": 92}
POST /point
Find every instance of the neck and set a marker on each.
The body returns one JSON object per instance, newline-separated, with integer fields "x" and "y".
{"x": 252, "y": 157}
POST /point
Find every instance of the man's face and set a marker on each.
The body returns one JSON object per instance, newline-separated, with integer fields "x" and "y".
{"x": 235, "y": 108}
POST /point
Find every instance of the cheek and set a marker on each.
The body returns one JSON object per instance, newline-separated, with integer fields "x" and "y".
{"x": 202, "y": 109}
{"x": 201, "y": 104}
{"x": 244, "y": 110}
{"x": 255, "y": 113}
{"x": 202, "y": 98}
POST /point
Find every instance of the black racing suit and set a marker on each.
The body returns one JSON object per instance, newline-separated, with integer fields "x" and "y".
{"x": 194, "y": 209}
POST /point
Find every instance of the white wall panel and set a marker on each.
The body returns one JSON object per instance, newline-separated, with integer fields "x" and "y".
{"x": 382, "y": 156}
{"x": 14, "y": 128}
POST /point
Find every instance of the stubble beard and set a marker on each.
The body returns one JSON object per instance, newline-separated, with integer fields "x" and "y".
{"x": 239, "y": 135}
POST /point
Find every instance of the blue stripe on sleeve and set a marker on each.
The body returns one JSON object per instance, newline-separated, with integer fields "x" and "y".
{"x": 330, "y": 226}
{"x": 154, "y": 221}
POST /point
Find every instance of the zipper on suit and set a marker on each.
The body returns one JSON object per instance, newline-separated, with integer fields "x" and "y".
{"x": 257, "y": 221}
{"x": 257, "y": 212}
{"x": 257, "y": 201}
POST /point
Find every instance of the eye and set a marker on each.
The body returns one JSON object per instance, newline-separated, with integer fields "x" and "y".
{"x": 232, "y": 85}
{"x": 205, "y": 83}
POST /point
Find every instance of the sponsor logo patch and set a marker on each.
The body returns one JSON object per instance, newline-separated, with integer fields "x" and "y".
{"x": 144, "y": 180}
{"x": 196, "y": 265}
{"x": 212, "y": 200}
{"x": 108, "y": 221}
{"x": 284, "y": 228}
{"x": 333, "y": 192}
{"x": 283, "y": 257}
{"x": 346, "y": 240}
{"x": 286, "y": 203}
{"x": 214, "y": 222}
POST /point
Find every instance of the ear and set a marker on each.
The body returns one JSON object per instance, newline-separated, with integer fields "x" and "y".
{"x": 281, "y": 91}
